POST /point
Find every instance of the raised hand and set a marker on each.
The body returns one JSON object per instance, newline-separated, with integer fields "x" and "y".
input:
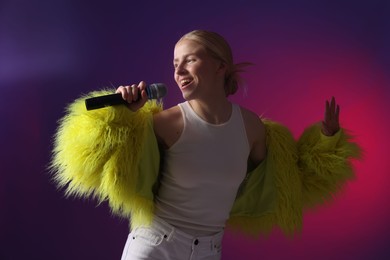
{"x": 331, "y": 124}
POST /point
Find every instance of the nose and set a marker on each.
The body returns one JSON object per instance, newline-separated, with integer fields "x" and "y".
{"x": 180, "y": 69}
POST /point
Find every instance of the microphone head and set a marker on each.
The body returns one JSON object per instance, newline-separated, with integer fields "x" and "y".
{"x": 156, "y": 90}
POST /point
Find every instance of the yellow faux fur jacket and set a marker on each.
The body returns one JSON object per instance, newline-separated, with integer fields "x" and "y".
{"x": 112, "y": 154}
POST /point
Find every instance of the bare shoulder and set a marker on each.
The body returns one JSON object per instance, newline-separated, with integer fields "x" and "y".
{"x": 168, "y": 126}
{"x": 167, "y": 114}
{"x": 252, "y": 121}
{"x": 255, "y": 131}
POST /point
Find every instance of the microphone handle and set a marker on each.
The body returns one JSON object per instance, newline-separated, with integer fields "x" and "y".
{"x": 106, "y": 100}
{"x": 153, "y": 91}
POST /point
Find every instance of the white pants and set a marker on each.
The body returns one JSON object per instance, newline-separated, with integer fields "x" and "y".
{"x": 163, "y": 241}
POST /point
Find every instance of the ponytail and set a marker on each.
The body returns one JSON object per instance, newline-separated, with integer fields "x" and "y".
{"x": 233, "y": 78}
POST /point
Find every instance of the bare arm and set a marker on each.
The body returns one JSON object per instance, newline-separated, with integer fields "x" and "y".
{"x": 168, "y": 126}
{"x": 255, "y": 130}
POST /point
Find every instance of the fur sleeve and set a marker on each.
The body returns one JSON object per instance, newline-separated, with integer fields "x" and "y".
{"x": 271, "y": 195}
{"x": 99, "y": 153}
{"x": 325, "y": 163}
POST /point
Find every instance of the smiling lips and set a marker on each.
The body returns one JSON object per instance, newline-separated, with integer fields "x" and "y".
{"x": 185, "y": 82}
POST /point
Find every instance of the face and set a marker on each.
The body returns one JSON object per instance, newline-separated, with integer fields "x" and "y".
{"x": 196, "y": 73}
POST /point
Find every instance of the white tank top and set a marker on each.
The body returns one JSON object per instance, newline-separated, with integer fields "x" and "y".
{"x": 202, "y": 173}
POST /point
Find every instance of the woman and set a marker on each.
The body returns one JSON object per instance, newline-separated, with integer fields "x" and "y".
{"x": 201, "y": 164}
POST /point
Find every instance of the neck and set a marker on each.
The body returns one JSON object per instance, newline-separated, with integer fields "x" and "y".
{"x": 213, "y": 111}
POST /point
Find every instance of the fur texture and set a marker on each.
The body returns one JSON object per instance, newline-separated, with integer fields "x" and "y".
{"x": 97, "y": 153}
{"x": 112, "y": 154}
{"x": 272, "y": 195}
{"x": 325, "y": 163}
{"x": 303, "y": 174}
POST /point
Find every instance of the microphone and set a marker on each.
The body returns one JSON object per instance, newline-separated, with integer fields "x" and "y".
{"x": 154, "y": 91}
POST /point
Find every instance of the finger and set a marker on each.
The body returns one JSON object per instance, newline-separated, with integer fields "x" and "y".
{"x": 332, "y": 105}
{"x": 122, "y": 90}
{"x": 126, "y": 93}
{"x": 324, "y": 128}
{"x": 140, "y": 89}
{"x": 134, "y": 93}
{"x": 327, "y": 111}
{"x": 118, "y": 89}
{"x": 142, "y": 85}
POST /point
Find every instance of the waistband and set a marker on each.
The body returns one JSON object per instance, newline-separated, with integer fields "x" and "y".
{"x": 212, "y": 242}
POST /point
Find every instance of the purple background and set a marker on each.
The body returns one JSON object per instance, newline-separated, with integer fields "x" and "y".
{"x": 304, "y": 52}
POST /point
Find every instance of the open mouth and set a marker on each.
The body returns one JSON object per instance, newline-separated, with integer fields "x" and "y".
{"x": 185, "y": 82}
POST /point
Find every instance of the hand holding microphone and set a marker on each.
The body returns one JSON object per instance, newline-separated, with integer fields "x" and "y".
{"x": 134, "y": 96}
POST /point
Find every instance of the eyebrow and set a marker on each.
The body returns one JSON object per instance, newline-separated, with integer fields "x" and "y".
{"x": 185, "y": 56}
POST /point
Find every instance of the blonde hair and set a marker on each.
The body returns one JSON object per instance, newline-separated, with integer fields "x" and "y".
{"x": 219, "y": 48}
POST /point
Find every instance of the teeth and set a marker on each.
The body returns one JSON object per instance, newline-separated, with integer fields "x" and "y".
{"x": 185, "y": 81}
